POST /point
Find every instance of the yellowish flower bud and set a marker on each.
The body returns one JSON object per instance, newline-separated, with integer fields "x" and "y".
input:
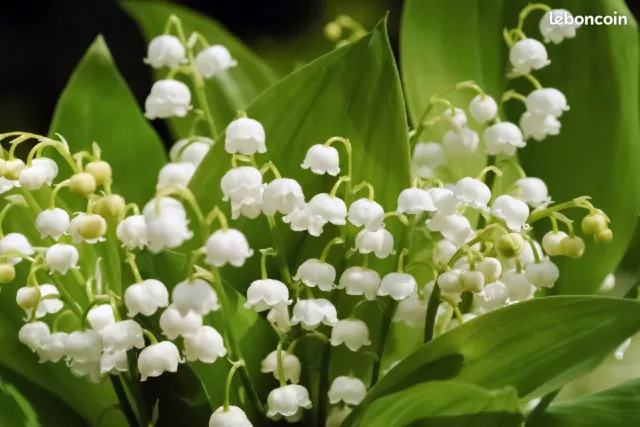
{"x": 594, "y": 223}
{"x": 605, "y": 236}
{"x": 7, "y": 272}
{"x": 333, "y": 31}
{"x": 472, "y": 281}
{"x": 510, "y": 245}
{"x": 28, "y": 298}
{"x": 111, "y": 206}
{"x": 13, "y": 169}
{"x": 100, "y": 170}
{"x": 91, "y": 226}
{"x": 82, "y": 183}
{"x": 573, "y": 247}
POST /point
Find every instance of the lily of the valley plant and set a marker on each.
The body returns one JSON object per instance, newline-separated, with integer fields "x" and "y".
{"x": 484, "y": 253}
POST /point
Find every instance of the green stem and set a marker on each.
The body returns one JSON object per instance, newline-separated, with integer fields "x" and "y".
{"x": 283, "y": 266}
{"x": 539, "y": 214}
{"x": 227, "y": 388}
{"x": 490, "y": 179}
{"x": 125, "y": 405}
{"x": 281, "y": 376}
{"x": 150, "y": 336}
{"x": 269, "y": 166}
{"x": 325, "y": 251}
{"x": 54, "y": 193}
{"x": 216, "y": 214}
{"x": 368, "y": 186}
{"x": 541, "y": 407}
{"x": 263, "y": 261}
{"x": 432, "y": 311}
{"x": 131, "y": 260}
{"x": 334, "y": 190}
{"x": 528, "y": 9}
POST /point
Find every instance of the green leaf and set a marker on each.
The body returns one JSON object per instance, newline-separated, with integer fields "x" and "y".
{"x": 535, "y": 346}
{"x": 618, "y": 406}
{"x": 16, "y": 409}
{"x": 97, "y": 105}
{"x": 473, "y": 30}
{"x": 226, "y": 94}
{"x": 445, "y": 403}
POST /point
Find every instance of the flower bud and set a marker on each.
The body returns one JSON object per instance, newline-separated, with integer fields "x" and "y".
{"x": 573, "y": 247}
{"x": 449, "y": 281}
{"x": 13, "y": 169}
{"x": 82, "y": 183}
{"x": 7, "y": 272}
{"x": 490, "y": 268}
{"x": 333, "y": 31}
{"x": 28, "y": 297}
{"x": 472, "y": 281}
{"x": 605, "y": 236}
{"x": 100, "y": 170}
{"x": 91, "y": 226}
{"x": 509, "y": 245}
{"x": 551, "y": 242}
{"x": 111, "y": 206}
{"x": 594, "y": 223}
{"x": 483, "y": 108}
{"x": 213, "y": 61}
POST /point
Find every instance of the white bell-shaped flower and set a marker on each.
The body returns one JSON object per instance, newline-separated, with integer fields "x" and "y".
{"x": 483, "y": 108}
{"x": 290, "y": 364}
{"x": 266, "y": 294}
{"x": 513, "y": 211}
{"x": 282, "y": 195}
{"x": 443, "y": 251}
{"x": 314, "y": 272}
{"x": 101, "y": 316}
{"x": 353, "y": 333}
{"x": 49, "y": 166}
{"x": 16, "y": 242}
{"x": 304, "y": 220}
{"x": 414, "y": 201}
{"x": 197, "y": 296}
{"x": 190, "y": 150}
{"x": 493, "y": 296}
{"x": 168, "y": 98}
{"x": 366, "y": 213}
{"x": 287, "y": 401}
{"x": 527, "y": 55}
{"x": 551, "y": 242}
{"x": 243, "y": 187}
{"x": 310, "y": 313}
{"x": 165, "y": 51}
{"x": 174, "y": 324}
{"x": 88, "y": 370}
{"x": 337, "y": 415}
{"x": 398, "y": 286}
{"x": 52, "y": 223}
{"x": 460, "y": 143}
{"x": 61, "y": 257}
{"x": 532, "y": 191}
{"x": 328, "y": 208}
{"x": 456, "y": 228}
{"x": 279, "y": 319}
{"x": 114, "y": 363}
{"x": 538, "y": 126}
{"x": 360, "y": 281}
{"x": 557, "y": 25}
{"x": 146, "y": 297}
{"x": 503, "y": 138}
{"x": 84, "y": 346}
{"x": 379, "y": 242}
{"x": 444, "y": 200}
{"x": 228, "y": 246}
{"x": 518, "y": 287}
{"x": 322, "y": 159}
{"x": 449, "y": 281}
{"x": 175, "y": 174}
{"x": 232, "y": 417}
{"x": 157, "y": 359}
{"x": 122, "y": 336}
{"x": 472, "y": 192}
{"x": 472, "y": 281}
{"x": 48, "y": 304}
{"x": 491, "y": 269}
{"x": 95, "y": 224}
{"x": 213, "y": 61}
{"x": 167, "y": 224}
{"x": 34, "y": 335}
{"x": 428, "y": 154}
{"x": 543, "y": 274}
{"x": 547, "y": 101}
{"x": 411, "y": 311}
{"x": 132, "y": 232}
{"x": 245, "y": 136}
{"x": 349, "y": 390}
{"x": 32, "y": 178}
{"x": 205, "y": 345}
{"x": 456, "y": 118}
{"x": 54, "y": 348}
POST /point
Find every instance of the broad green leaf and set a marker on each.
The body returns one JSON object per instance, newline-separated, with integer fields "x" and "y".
{"x": 97, "y": 105}
{"x": 432, "y": 30}
{"x": 445, "y": 403}
{"x": 226, "y": 94}
{"x": 16, "y": 409}
{"x": 535, "y": 345}
{"x": 617, "y": 406}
